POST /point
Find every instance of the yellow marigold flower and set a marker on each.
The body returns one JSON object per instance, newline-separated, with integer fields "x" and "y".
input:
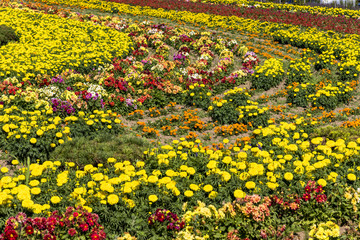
{"x": 239, "y": 194}
{"x": 212, "y": 164}
{"x": 111, "y": 160}
{"x": 15, "y": 162}
{"x": 39, "y": 132}
{"x": 213, "y": 194}
{"x": 188, "y": 193}
{"x": 55, "y": 199}
{"x": 152, "y": 179}
{"x": 33, "y": 140}
{"x": 191, "y": 170}
{"x": 34, "y": 183}
{"x": 351, "y": 177}
{"x": 322, "y": 182}
{"x": 153, "y": 198}
{"x": 208, "y": 188}
{"x": 140, "y": 164}
{"x": 71, "y": 164}
{"x": 242, "y": 155}
{"x": 288, "y": 176}
{"x": 250, "y": 185}
{"x": 36, "y": 191}
{"x": 194, "y": 187}
{"x": 112, "y": 199}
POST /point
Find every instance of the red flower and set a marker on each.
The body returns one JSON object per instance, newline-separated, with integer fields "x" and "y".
{"x": 72, "y": 232}
{"x": 75, "y": 214}
{"x": 84, "y": 227}
{"x": 319, "y": 189}
{"x": 321, "y": 198}
{"x": 29, "y": 230}
{"x": 11, "y": 235}
{"x": 94, "y": 236}
{"x": 150, "y": 220}
{"x": 49, "y": 237}
{"x": 161, "y": 217}
{"x": 306, "y": 197}
{"x": 90, "y": 221}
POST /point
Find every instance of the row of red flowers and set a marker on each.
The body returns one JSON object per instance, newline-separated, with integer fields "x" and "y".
{"x": 75, "y": 222}
{"x": 339, "y": 24}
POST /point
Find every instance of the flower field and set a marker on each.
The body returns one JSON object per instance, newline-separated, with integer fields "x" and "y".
{"x": 179, "y": 120}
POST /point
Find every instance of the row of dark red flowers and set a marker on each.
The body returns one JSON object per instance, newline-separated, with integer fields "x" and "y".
{"x": 338, "y": 24}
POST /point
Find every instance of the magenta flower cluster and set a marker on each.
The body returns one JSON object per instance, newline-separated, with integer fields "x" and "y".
{"x": 165, "y": 216}
{"x": 74, "y": 223}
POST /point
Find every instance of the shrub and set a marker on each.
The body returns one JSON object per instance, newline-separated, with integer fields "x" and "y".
{"x": 348, "y": 71}
{"x": 224, "y": 112}
{"x": 253, "y": 115}
{"x": 83, "y": 151}
{"x": 297, "y": 94}
{"x": 325, "y": 60}
{"x": 238, "y": 96}
{"x": 269, "y": 75}
{"x": 198, "y": 96}
{"x": 331, "y": 96}
{"x": 299, "y": 71}
{"x": 7, "y": 34}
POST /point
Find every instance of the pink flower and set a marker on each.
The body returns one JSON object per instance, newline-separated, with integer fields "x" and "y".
{"x": 321, "y": 198}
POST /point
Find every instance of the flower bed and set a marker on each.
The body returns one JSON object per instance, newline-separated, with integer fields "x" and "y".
{"x": 274, "y": 175}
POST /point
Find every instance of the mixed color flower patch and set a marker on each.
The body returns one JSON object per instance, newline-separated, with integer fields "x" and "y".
{"x": 251, "y": 114}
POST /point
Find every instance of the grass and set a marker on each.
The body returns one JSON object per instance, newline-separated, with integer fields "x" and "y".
{"x": 82, "y": 151}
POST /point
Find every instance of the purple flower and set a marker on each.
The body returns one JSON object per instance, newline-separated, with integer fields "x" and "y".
{"x": 129, "y": 102}
{"x": 96, "y": 96}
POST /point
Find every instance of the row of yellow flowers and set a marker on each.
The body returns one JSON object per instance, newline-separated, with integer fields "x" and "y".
{"x": 343, "y": 46}
{"x": 49, "y": 44}
{"x": 186, "y": 171}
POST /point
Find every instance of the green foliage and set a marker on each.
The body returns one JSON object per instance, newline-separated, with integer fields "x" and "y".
{"x": 198, "y": 96}
{"x": 158, "y": 99}
{"x": 297, "y": 94}
{"x": 7, "y": 34}
{"x": 329, "y": 97}
{"x": 299, "y": 71}
{"x": 224, "y": 112}
{"x": 348, "y": 71}
{"x": 238, "y": 96}
{"x": 325, "y": 60}
{"x": 335, "y": 133}
{"x": 83, "y": 151}
{"x": 253, "y": 115}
